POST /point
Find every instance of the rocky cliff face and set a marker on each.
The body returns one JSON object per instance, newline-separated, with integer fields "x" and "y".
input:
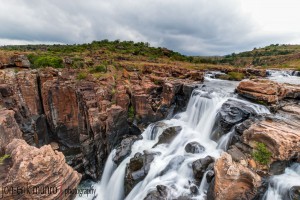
{"x": 86, "y": 119}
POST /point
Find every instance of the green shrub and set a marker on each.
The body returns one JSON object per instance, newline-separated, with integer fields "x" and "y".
{"x": 261, "y": 154}
{"x": 45, "y": 61}
{"x": 131, "y": 112}
{"x": 81, "y": 75}
{"x": 99, "y": 68}
{"x": 2, "y": 158}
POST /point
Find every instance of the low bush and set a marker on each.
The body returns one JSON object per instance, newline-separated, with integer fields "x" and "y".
{"x": 81, "y": 75}
{"x": 261, "y": 154}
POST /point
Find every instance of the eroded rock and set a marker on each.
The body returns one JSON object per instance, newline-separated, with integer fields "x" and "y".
{"x": 33, "y": 167}
{"x": 281, "y": 139}
{"x": 233, "y": 180}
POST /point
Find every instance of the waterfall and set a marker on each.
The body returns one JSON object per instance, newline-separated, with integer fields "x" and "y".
{"x": 280, "y": 185}
{"x": 197, "y": 123}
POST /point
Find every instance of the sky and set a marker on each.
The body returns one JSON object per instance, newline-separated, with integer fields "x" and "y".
{"x": 191, "y": 27}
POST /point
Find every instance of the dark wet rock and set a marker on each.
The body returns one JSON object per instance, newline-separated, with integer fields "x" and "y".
{"x": 194, "y": 189}
{"x": 161, "y": 193}
{"x": 232, "y": 112}
{"x": 236, "y": 154}
{"x": 294, "y": 193}
{"x": 134, "y": 130}
{"x": 199, "y": 167}
{"x": 174, "y": 164}
{"x": 168, "y": 135}
{"x": 137, "y": 169}
{"x": 194, "y": 147}
{"x": 124, "y": 148}
{"x": 278, "y": 167}
{"x": 210, "y": 175}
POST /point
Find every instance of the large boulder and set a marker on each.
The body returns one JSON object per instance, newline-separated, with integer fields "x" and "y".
{"x": 270, "y": 92}
{"x": 281, "y": 138}
{"x": 231, "y": 113}
{"x": 36, "y": 169}
{"x": 233, "y": 180}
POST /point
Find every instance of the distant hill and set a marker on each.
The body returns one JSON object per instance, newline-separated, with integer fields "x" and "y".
{"x": 274, "y": 55}
{"x": 134, "y": 54}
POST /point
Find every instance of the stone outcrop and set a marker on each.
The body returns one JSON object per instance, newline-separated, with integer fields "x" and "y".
{"x": 280, "y": 137}
{"x": 16, "y": 60}
{"x": 9, "y": 129}
{"x": 267, "y": 91}
{"x": 233, "y": 180}
{"x": 43, "y": 172}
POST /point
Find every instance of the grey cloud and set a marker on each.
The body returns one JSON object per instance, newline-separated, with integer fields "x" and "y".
{"x": 194, "y": 27}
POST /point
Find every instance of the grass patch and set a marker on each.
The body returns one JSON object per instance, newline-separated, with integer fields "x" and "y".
{"x": 261, "y": 154}
{"x": 236, "y": 76}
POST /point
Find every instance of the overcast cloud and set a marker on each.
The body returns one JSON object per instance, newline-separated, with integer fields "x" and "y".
{"x": 193, "y": 27}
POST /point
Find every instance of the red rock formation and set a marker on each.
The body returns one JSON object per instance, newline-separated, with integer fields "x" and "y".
{"x": 38, "y": 169}
{"x": 233, "y": 180}
{"x": 281, "y": 138}
{"x": 9, "y": 128}
{"x": 268, "y": 91}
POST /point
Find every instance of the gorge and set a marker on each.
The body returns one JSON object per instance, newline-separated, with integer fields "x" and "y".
{"x": 152, "y": 133}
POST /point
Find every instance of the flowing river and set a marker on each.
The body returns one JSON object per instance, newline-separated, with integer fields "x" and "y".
{"x": 197, "y": 123}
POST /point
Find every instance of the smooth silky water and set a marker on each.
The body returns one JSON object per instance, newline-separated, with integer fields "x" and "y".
{"x": 197, "y": 124}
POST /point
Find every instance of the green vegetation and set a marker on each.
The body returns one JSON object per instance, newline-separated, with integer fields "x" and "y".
{"x": 234, "y": 76}
{"x": 99, "y": 68}
{"x": 261, "y": 154}
{"x": 2, "y": 158}
{"x": 131, "y": 112}
{"x": 39, "y": 61}
{"x": 81, "y": 75}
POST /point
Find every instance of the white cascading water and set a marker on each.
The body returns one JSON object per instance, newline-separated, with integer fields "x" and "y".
{"x": 197, "y": 124}
{"x": 279, "y": 185}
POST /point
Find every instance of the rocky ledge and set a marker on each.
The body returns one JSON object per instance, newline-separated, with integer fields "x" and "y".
{"x": 270, "y": 92}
